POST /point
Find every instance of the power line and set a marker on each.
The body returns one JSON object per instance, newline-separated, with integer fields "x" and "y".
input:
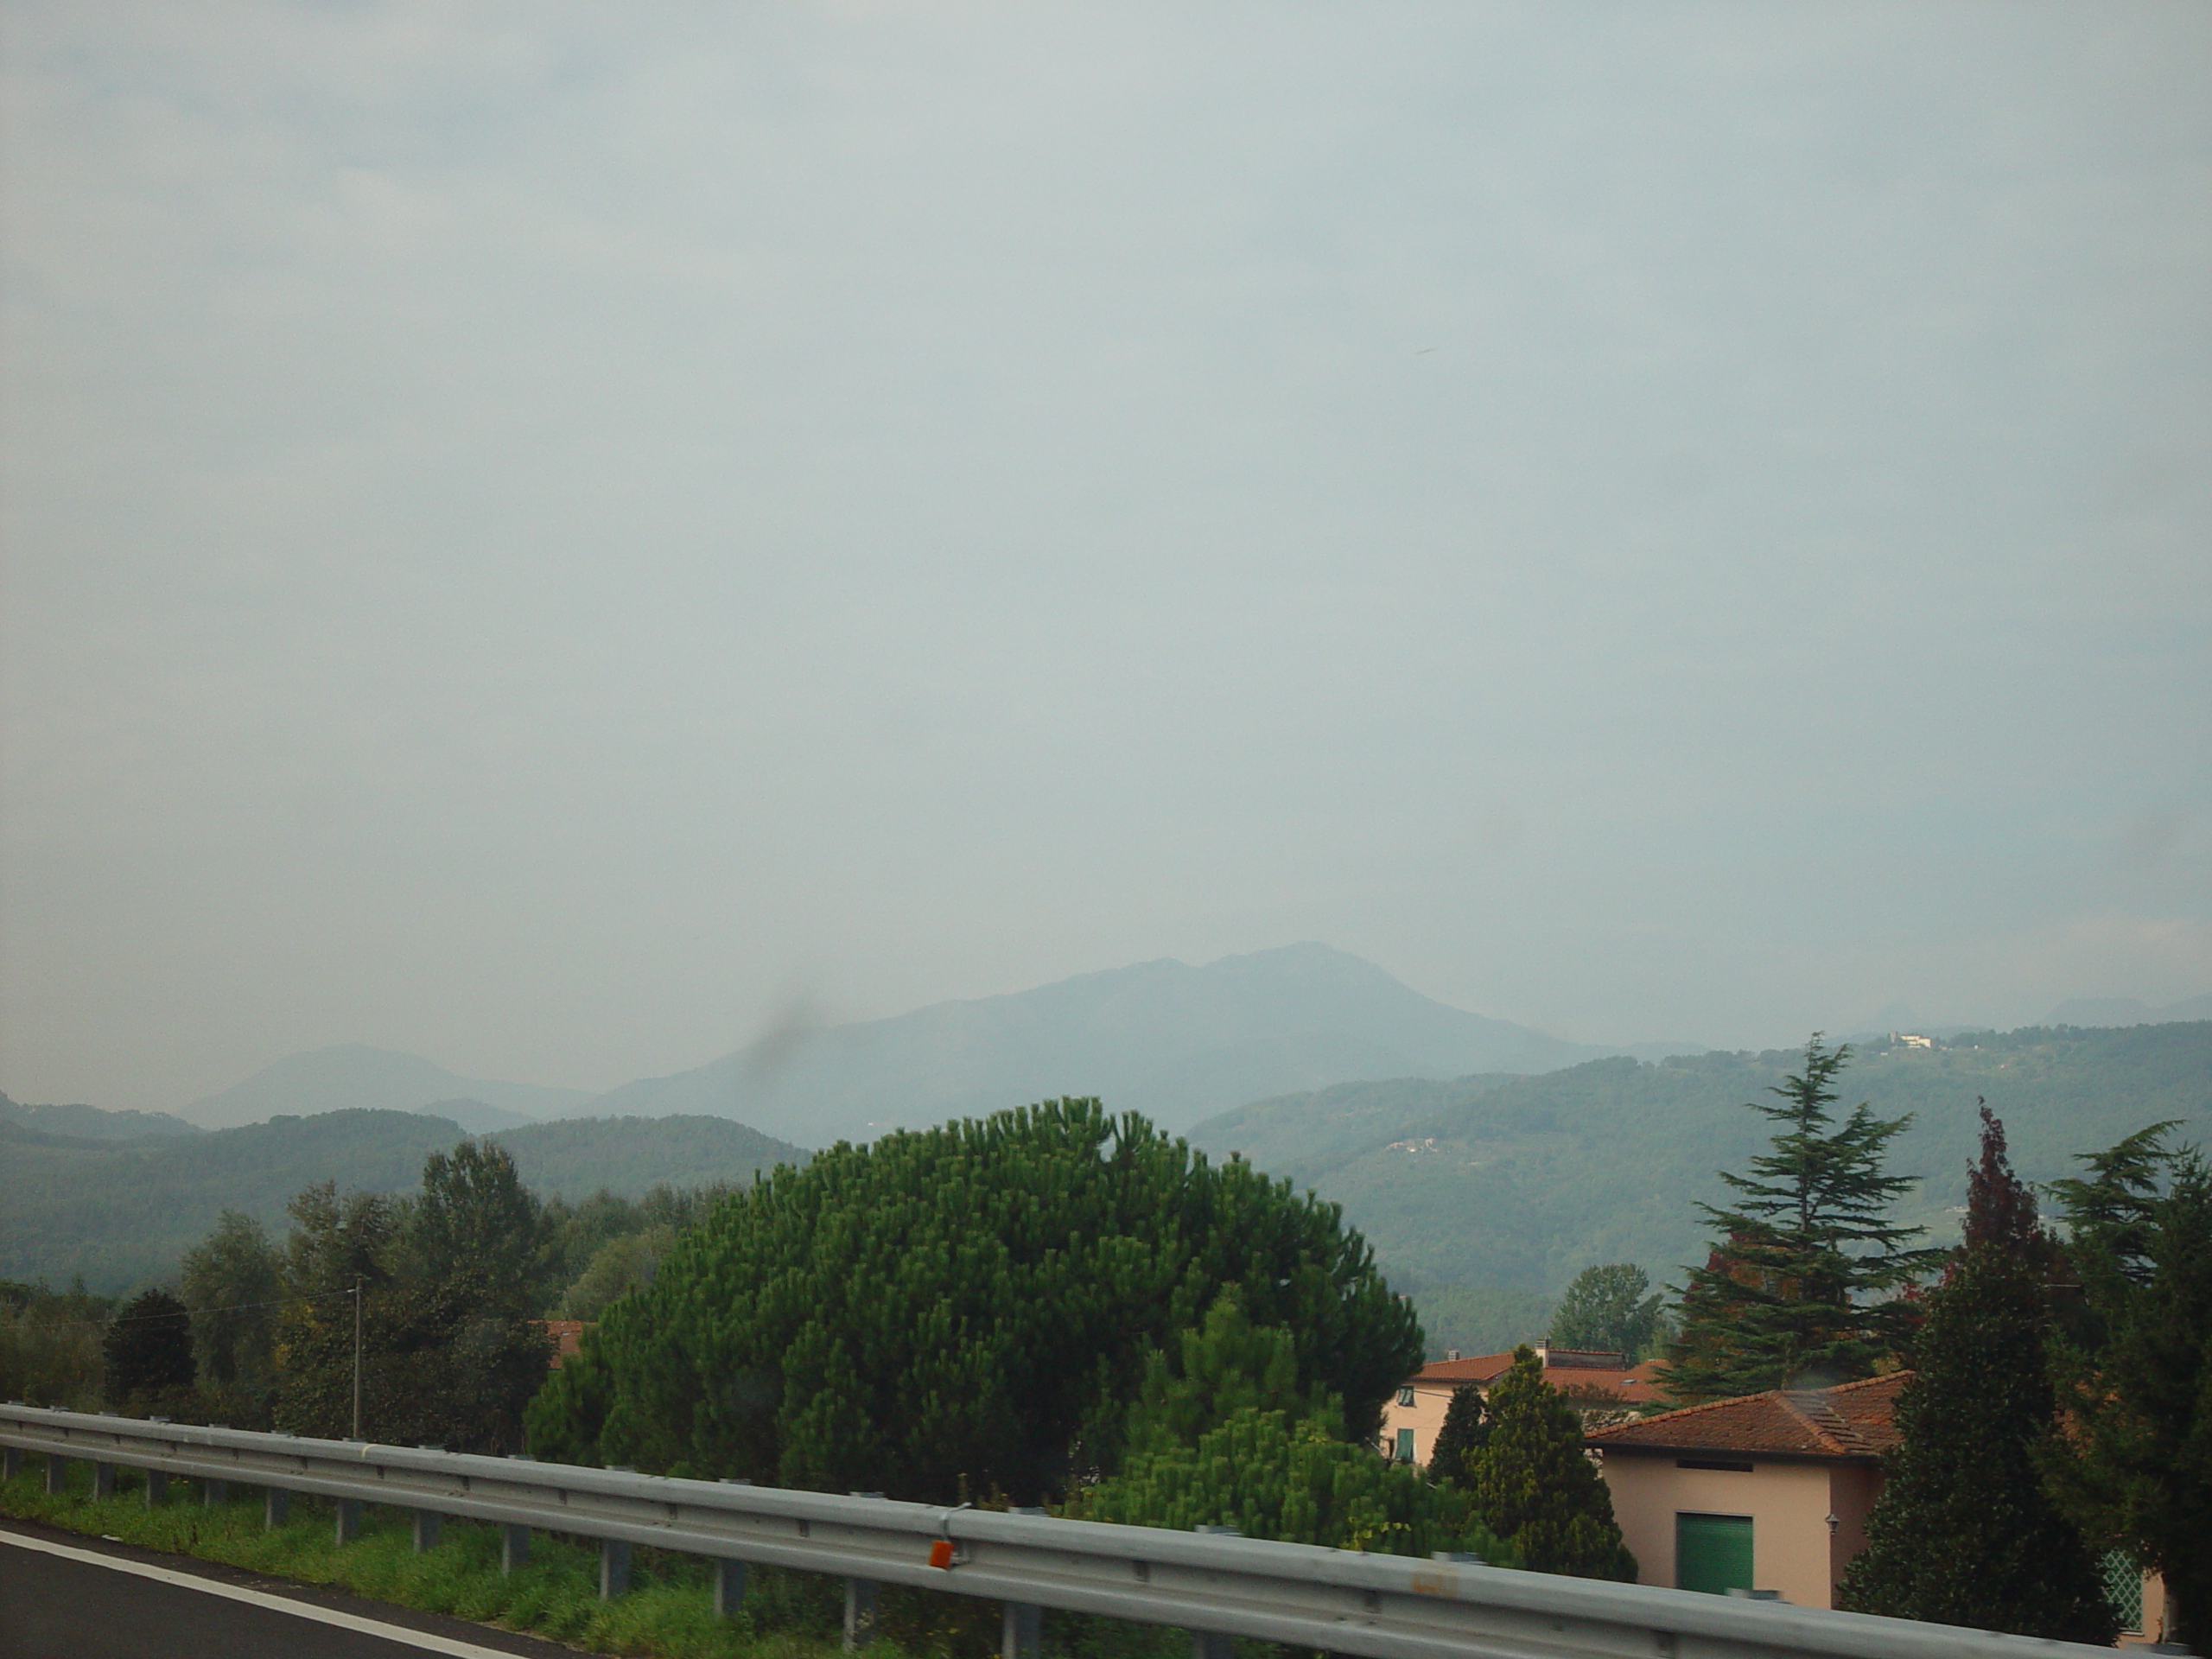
{"x": 190, "y": 1312}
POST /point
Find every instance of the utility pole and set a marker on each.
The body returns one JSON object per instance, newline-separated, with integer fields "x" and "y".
{"x": 357, "y": 1359}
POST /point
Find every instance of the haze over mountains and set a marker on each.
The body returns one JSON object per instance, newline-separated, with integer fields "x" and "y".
{"x": 1177, "y": 1042}
{"x": 2094, "y": 1011}
{"x": 357, "y": 1077}
{"x": 1174, "y": 1042}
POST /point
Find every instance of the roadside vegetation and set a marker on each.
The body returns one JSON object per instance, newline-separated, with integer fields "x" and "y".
{"x": 668, "y": 1611}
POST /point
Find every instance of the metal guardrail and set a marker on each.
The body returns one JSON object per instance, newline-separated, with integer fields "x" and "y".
{"x": 1338, "y": 1601}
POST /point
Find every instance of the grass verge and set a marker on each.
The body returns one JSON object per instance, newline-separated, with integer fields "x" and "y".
{"x": 669, "y": 1610}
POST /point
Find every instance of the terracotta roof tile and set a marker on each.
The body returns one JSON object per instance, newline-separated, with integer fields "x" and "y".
{"x": 1578, "y": 1374}
{"x": 1851, "y": 1420}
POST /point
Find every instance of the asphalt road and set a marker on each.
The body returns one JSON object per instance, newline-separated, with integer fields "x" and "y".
{"x": 66, "y": 1606}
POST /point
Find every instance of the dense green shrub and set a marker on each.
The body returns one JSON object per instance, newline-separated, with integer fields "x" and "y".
{"x": 1272, "y": 1476}
{"x": 148, "y": 1350}
{"x": 967, "y": 1308}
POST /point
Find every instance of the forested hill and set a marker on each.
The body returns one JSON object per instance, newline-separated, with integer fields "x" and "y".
{"x": 93, "y": 1123}
{"x": 1519, "y": 1183}
{"x": 121, "y": 1212}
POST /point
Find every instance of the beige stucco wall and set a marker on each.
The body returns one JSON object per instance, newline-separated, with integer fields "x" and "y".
{"x": 1792, "y": 1550}
{"x": 1424, "y": 1417}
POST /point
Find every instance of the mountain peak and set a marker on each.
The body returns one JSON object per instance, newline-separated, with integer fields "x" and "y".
{"x": 1175, "y": 1042}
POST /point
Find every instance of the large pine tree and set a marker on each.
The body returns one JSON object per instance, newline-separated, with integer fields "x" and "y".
{"x": 976, "y": 1305}
{"x": 1534, "y": 1487}
{"x": 1796, "y": 1291}
{"x": 1980, "y": 1404}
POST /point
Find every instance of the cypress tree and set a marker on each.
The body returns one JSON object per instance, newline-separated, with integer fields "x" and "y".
{"x": 1464, "y": 1432}
{"x": 1534, "y": 1487}
{"x": 1965, "y": 1474}
{"x": 2135, "y": 1372}
{"x": 1789, "y": 1297}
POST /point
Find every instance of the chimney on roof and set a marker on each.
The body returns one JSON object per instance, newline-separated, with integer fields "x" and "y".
{"x": 1450, "y": 1353}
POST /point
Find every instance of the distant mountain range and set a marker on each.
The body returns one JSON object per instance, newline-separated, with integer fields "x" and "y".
{"x": 2127, "y": 1011}
{"x": 1178, "y": 1043}
{"x": 1174, "y": 1042}
{"x": 354, "y": 1076}
{"x": 123, "y": 1210}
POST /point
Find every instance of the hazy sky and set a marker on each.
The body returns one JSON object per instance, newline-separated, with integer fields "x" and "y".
{"x": 542, "y": 535}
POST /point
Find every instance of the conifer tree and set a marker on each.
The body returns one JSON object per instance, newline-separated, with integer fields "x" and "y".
{"x": 973, "y": 1306}
{"x": 1965, "y": 1477}
{"x": 1791, "y": 1294}
{"x": 1534, "y": 1487}
{"x": 2135, "y": 1375}
{"x": 1464, "y": 1431}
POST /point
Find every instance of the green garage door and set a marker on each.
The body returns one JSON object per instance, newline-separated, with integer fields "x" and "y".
{"x": 1712, "y": 1553}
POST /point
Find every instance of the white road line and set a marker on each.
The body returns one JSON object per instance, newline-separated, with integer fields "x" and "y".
{"x": 423, "y": 1639}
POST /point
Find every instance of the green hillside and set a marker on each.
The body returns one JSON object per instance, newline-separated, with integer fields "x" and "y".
{"x": 1517, "y": 1183}
{"x": 121, "y": 1212}
{"x": 93, "y": 1123}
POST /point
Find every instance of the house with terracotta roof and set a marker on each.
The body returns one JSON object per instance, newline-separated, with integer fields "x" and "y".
{"x": 567, "y": 1337}
{"x": 1771, "y": 1492}
{"x": 1602, "y": 1385}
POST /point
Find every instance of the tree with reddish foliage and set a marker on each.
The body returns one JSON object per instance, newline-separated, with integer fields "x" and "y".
{"x": 1966, "y": 1532}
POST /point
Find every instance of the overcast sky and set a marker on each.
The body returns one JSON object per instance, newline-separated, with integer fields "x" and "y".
{"x": 545, "y": 536}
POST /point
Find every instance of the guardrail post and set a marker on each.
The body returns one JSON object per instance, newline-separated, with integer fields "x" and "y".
{"x": 214, "y": 1493}
{"x": 614, "y": 1569}
{"x": 1022, "y": 1631}
{"x": 276, "y": 1508}
{"x": 426, "y": 1530}
{"x": 729, "y": 1576}
{"x": 860, "y": 1613}
{"x": 1021, "y": 1625}
{"x": 860, "y": 1605}
{"x": 1212, "y": 1644}
{"x": 157, "y": 1488}
{"x": 102, "y": 1480}
{"x": 57, "y": 1474}
{"x": 514, "y": 1548}
{"x": 729, "y": 1588}
{"x": 12, "y": 1462}
{"x": 349, "y": 1519}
